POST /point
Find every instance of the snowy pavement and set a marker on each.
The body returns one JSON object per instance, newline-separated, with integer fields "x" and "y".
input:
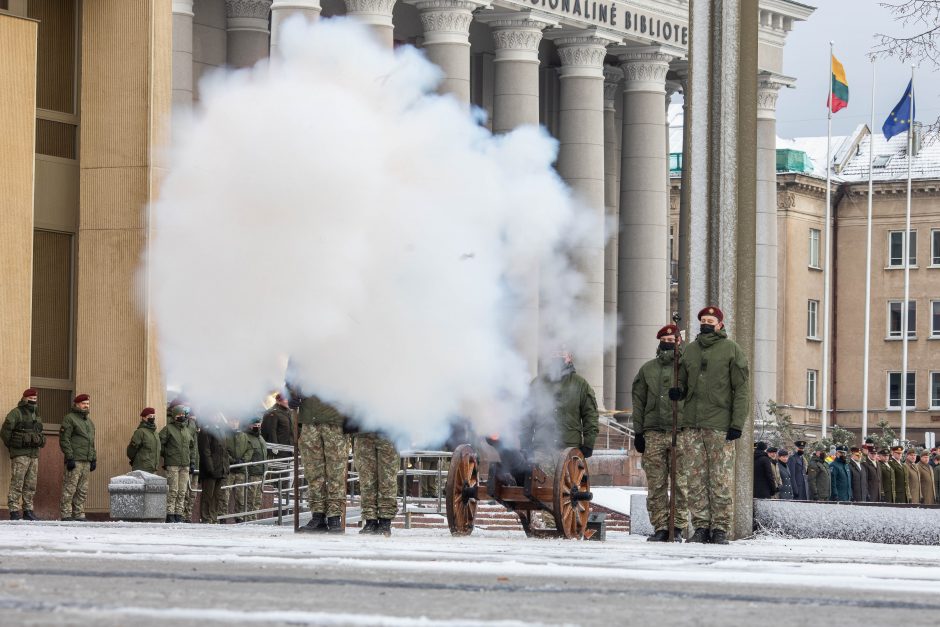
{"x": 147, "y": 574}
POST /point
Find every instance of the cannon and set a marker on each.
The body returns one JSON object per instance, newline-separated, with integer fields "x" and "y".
{"x": 521, "y": 488}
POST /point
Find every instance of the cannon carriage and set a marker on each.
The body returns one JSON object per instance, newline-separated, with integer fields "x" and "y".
{"x": 524, "y": 490}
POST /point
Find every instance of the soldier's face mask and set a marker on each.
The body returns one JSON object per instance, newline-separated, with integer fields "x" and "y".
{"x": 256, "y": 428}
{"x": 31, "y": 401}
{"x": 667, "y": 346}
{"x": 707, "y": 328}
{"x": 180, "y": 418}
{"x": 152, "y": 419}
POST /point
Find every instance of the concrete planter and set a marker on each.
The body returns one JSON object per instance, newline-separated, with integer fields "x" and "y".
{"x": 139, "y": 496}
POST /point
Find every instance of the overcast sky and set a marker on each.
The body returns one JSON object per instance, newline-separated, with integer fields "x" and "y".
{"x": 852, "y": 24}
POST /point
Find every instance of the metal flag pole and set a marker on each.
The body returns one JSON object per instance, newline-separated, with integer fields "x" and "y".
{"x": 871, "y": 160}
{"x": 673, "y": 458}
{"x": 907, "y": 265}
{"x": 824, "y": 417}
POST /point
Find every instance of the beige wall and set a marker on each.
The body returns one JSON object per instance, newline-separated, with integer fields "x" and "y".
{"x": 125, "y": 106}
{"x": 18, "y": 39}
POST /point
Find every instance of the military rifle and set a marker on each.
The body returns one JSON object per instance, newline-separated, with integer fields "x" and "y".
{"x": 676, "y": 318}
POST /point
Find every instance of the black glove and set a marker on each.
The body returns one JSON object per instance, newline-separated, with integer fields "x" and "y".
{"x": 192, "y": 469}
{"x": 94, "y": 464}
{"x": 587, "y": 451}
{"x": 639, "y": 443}
{"x": 733, "y": 434}
{"x": 675, "y": 394}
{"x": 70, "y": 464}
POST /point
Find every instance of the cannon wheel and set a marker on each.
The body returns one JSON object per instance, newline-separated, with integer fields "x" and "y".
{"x": 571, "y": 474}
{"x": 463, "y": 475}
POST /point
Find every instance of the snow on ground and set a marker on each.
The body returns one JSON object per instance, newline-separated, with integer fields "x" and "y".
{"x": 615, "y": 498}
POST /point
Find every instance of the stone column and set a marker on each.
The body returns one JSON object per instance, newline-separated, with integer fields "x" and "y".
{"x": 581, "y": 164}
{"x": 377, "y": 14}
{"x": 182, "y": 55}
{"x": 446, "y": 25}
{"x": 681, "y": 69}
{"x": 284, "y": 9}
{"x": 613, "y": 77}
{"x": 248, "y": 39}
{"x": 643, "y": 298}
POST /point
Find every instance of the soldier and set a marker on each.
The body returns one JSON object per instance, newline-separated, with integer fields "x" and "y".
{"x": 840, "y": 476}
{"x": 22, "y": 435}
{"x": 179, "y": 460}
{"x": 797, "y": 465}
{"x": 77, "y": 441}
{"x": 143, "y": 451}
{"x": 652, "y": 426}
{"x": 377, "y": 463}
{"x": 239, "y": 451}
{"x": 213, "y": 467}
{"x": 259, "y": 453}
{"x": 913, "y": 477}
{"x": 859, "y": 474}
{"x": 818, "y": 475}
{"x": 887, "y": 476}
{"x": 873, "y": 473}
{"x": 325, "y": 453}
{"x": 277, "y": 425}
{"x": 188, "y": 503}
{"x": 902, "y": 493}
{"x": 928, "y": 493}
{"x": 713, "y": 377}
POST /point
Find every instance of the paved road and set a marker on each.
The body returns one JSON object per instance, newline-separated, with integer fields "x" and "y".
{"x": 120, "y": 574}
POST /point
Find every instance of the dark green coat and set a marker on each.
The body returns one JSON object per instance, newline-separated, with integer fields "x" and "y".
{"x": 213, "y": 454}
{"x": 179, "y": 444}
{"x": 841, "y": 480}
{"x": 77, "y": 437}
{"x": 239, "y": 449}
{"x": 900, "y": 481}
{"x": 887, "y": 482}
{"x": 563, "y": 413}
{"x": 652, "y": 409}
{"x": 713, "y": 373}
{"x": 194, "y": 431}
{"x": 313, "y": 411}
{"x": 277, "y": 426}
{"x": 22, "y": 431}
{"x": 143, "y": 452}
{"x": 259, "y": 453}
{"x": 818, "y": 476}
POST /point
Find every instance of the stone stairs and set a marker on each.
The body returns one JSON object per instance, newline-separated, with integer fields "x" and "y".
{"x": 492, "y": 516}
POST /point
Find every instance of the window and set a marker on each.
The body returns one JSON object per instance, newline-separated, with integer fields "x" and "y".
{"x": 895, "y": 252}
{"x": 935, "y": 247}
{"x": 935, "y": 390}
{"x": 894, "y": 318}
{"x": 812, "y": 319}
{"x": 811, "y": 377}
{"x": 894, "y": 390}
{"x": 814, "y": 248}
{"x": 881, "y": 161}
{"x": 935, "y": 318}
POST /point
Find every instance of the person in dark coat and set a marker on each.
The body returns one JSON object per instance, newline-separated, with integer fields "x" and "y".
{"x": 840, "y": 476}
{"x": 765, "y": 483}
{"x": 214, "y": 464}
{"x": 818, "y": 475}
{"x": 859, "y": 476}
{"x": 786, "y": 480}
{"x": 797, "y": 466}
{"x": 870, "y": 463}
{"x": 277, "y": 424}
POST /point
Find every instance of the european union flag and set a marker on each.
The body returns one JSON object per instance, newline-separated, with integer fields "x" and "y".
{"x": 900, "y": 119}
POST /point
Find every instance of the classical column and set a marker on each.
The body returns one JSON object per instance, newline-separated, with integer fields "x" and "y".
{"x": 643, "y": 278}
{"x": 246, "y": 25}
{"x": 446, "y": 26}
{"x": 681, "y": 69}
{"x": 182, "y": 55}
{"x": 283, "y": 9}
{"x": 581, "y": 164}
{"x": 377, "y": 14}
{"x": 765, "y": 288}
{"x": 613, "y": 77}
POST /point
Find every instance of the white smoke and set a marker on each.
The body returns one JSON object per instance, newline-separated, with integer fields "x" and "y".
{"x": 331, "y": 209}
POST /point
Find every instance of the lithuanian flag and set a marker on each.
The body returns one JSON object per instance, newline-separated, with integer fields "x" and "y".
{"x": 840, "y": 87}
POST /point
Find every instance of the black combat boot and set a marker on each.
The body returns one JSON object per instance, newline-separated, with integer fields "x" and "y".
{"x": 334, "y": 525}
{"x": 15, "y": 515}
{"x": 370, "y": 527}
{"x": 700, "y": 536}
{"x": 29, "y": 515}
{"x": 384, "y": 528}
{"x": 677, "y": 537}
{"x": 660, "y": 536}
{"x": 239, "y": 521}
{"x": 177, "y": 518}
{"x": 317, "y": 524}
{"x": 170, "y": 518}
{"x": 719, "y": 537}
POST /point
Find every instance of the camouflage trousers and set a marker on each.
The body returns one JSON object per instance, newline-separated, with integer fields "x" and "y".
{"x": 253, "y": 495}
{"x": 74, "y": 491}
{"x": 377, "y": 463}
{"x": 24, "y": 469}
{"x": 656, "y": 466}
{"x": 708, "y": 462}
{"x": 177, "y": 485}
{"x": 190, "y": 499}
{"x": 325, "y": 451}
{"x": 248, "y": 497}
{"x": 209, "y": 499}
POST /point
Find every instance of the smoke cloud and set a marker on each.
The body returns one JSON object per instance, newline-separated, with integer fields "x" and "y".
{"x": 329, "y": 209}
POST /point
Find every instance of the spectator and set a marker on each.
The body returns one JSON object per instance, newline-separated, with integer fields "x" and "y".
{"x": 765, "y": 483}
{"x": 786, "y": 480}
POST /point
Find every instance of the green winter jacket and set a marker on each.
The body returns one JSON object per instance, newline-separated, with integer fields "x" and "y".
{"x": 179, "y": 444}
{"x": 313, "y": 411}
{"x": 77, "y": 437}
{"x": 214, "y": 457}
{"x": 259, "y": 453}
{"x": 818, "y": 475}
{"x": 22, "y": 431}
{"x": 193, "y": 429}
{"x": 563, "y": 414}
{"x": 143, "y": 452}
{"x": 239, "y": 449}
{"x": 652, "y": 409}
{"x": 713, "y": 373}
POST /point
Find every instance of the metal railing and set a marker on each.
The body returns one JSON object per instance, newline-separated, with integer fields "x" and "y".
{"x": 626, "y": 433}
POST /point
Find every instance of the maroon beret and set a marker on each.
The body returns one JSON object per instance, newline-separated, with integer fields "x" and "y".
{"x": 147, "y": 411}
{"x": 711, "y": 310}
{"x": 669, "y": 329}
{"x": 81, "y": 398}
{"x": 30, "y": 392}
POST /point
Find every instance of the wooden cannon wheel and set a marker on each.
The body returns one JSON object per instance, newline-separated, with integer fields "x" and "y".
{"x": 571, "y": 479}
{"x": 460, "y": 490}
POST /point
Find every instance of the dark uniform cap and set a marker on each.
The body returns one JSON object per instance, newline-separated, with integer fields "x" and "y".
{"x": 843, "y": 448}
{"x": 772, "y": 449}
{"x": 799, "y": 444}
{"x": 884, "y": 452}
{"x": 897, "y": 449}
{"x": 782, "y": 452}
{"x": 855, "y": 449}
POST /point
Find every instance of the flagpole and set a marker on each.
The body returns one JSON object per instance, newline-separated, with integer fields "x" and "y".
{"x": 824, "y": 417}
{"x": 871, "y": 160}
{"x": 907, "y": 265}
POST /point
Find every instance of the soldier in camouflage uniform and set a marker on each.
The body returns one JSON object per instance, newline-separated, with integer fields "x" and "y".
{"x": 652, "y": 424}
{"x": 22, "y": 435}
{"x": 179, "y": 459}
{"x": 258, "y": 452}
{"x": 190, "y": 499}
{"x": 377, "y": 463}
{"x": 77, "y": 441}
{"x": 819, "y": 475}
{"x": 239, "y": 452}
{"x": 324, "y": 450}
{"x": 713, "y": 380}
